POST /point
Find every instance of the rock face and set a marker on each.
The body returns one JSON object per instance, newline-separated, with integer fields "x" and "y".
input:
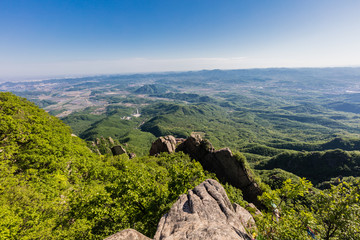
{"x": 205, "y": 213}
{"x": 224, "y": 164}
{"x": 127, "y": 234}
{"x": 163, "y": 144}
{"x": 117, "y": 150}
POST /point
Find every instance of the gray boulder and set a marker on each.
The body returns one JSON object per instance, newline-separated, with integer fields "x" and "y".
{"x": 163, "y": 144}
{"x": 205, "y": 213}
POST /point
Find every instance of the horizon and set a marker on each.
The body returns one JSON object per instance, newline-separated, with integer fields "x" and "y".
{"x": 55, "y": 39}
{"x": 79, "y": 76}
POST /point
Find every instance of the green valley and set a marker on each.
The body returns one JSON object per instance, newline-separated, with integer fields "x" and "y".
{"x": 59, "y": 177}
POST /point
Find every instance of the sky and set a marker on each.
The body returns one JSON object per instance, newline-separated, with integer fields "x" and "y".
{"x": 48, "y": 38}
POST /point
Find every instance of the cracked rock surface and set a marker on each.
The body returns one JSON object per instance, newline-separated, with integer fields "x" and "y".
{"x": 163, "y": 144}
{"x": 204, "y": 213}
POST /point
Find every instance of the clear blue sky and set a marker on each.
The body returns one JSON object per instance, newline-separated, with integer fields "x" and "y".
{"x": 73, "y": 37}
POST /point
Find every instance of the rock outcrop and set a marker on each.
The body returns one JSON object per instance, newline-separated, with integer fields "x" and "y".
{"x": 205, "y": 213}
{"x": 224, "y": 164}
{"x": 117, "y": 150}
{"x": 163, "y": 144}
{"x": 127, "y": 234}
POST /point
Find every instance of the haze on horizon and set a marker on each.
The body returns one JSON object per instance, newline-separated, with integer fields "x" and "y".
{"x": 64, "y": 38}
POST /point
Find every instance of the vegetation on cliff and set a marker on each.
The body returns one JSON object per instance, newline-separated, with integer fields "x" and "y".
{"x": 52, "y": 186}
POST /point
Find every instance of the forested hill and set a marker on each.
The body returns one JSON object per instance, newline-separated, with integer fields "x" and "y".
{"x": 53, "y": 187}
{"x": 42, "y": 165}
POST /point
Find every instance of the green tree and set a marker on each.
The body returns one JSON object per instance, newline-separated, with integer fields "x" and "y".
{"x": 337, "y": 212}
{"x": 333, "y": 213}
{"x": 289, "y": 215}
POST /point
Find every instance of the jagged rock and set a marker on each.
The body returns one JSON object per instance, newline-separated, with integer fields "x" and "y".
{"x": 196, "y": 147}
{"x": 163, "y": 144}
{"x": 226, "y": 166}
{"x": 246, "y": 219}
{"x": 117, "y": 150}
{"x": 204, "y": 213}
{"x": 132, "y": 155}
{"x": 127, "y": 234}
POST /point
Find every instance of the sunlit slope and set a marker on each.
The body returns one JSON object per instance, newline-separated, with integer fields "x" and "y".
{"x": 318, "y": 166}
{"x": 226, "y": 123}
{"x": 53, "y": 187}
{"x": 41, "y": 164}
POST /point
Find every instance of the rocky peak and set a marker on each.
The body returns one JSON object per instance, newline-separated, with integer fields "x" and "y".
{"x": 203, "y": 213}
{"x": 163, "y": 144}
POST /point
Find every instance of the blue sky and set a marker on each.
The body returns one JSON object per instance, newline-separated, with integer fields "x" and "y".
{"x": 40, "y": 38}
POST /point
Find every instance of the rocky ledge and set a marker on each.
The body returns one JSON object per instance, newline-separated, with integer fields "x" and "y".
{"x": 204, "y": 213}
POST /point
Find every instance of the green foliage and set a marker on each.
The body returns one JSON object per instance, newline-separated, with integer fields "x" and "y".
{"x": 181, "y": 120}
{"x": 276, "y": 177}
{"x": 103, "y": 145}
{"x": 136, "y": 195}
{"x": 318, "y": 166}
{"x": 152, "y": 89}
{"x": 43, "y": 103}
{"x": 333, "y": 213}
{"x": 79, "y": 122}
{"x": 53, "y": 187}
{"x": 40, "y": 161}
{"x": 259, "y": 112}
{"x": 288, "y": 195}
{"x": 235, "y": 195}
{"x": 336, "y": 181}
{"x": 188, "y": 97}
{"x": 261, "y": 150}
{"x": 289, "y": 216}
{"x": 337, "y": 212}
{"x": 114, "y": 125}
